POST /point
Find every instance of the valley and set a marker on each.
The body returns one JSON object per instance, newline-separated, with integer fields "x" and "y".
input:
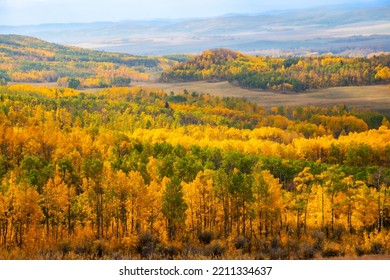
{"x": 371, "y": 98}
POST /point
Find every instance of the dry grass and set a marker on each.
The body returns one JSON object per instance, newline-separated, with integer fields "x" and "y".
{"x": 376, "y": 98}
{"x": 364, "y": 257}
{"x": 373, "y": 98}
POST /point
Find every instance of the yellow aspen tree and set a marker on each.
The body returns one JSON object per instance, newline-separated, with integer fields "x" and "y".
{"x": 267, "y": 203}
{"x": 200, "y": 199}
{"x": 26, "y": 212}
{"x": 4, "y": 219}
{"x": 365, "y": 208}
{"x": 153, "y": 207}
{"x": 303, "y": 182}
{"x": 55, "y": 204}
{"x": 332, "y": 179}
{"x": 136, "y": 205}
{"x": 118, "y": 191}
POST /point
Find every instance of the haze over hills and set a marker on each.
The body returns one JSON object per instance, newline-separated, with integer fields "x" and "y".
{"x": 347, "y": 30}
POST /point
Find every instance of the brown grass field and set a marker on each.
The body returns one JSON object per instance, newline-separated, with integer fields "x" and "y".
{"x": 375, "y": 98}
{"x": 364, "y": 257}
{"x": 364, "y": 98}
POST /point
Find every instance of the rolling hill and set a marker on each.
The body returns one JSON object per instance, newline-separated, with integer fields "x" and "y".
{"x": 281, "y": 74}
{"x": 351, "y": 30}
{"x": 27, "y": 59}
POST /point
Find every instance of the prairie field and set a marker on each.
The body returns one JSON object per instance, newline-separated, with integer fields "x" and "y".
{"x": 373, "y": 98}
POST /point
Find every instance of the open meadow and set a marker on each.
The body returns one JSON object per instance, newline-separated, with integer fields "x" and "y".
{"x": 374, "y": 98}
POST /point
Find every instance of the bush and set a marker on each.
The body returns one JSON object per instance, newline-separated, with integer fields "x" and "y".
{"x": 279, "y": 254}
{"x": 99, "y": 249}
{"x": 205, "y": 237}
{"x": 319, "y": 238}
{"x": 243, "y": 243}
{"x": 338, "y": 233}
{"x": 240, "y": 242}
{"x": 359, "y": 251}
{"x": 377, "y": 248}
{"x": 73, "y": 83}
{"x": 147, "y": 245}
{"x": 307, "y": 251}
{"x": 216, "y": 250}
{"x": 330, "y": 253}
{"x": 83, "y": 248}
{"x": 170, "y": 252}
{"x": 64, "y": 247}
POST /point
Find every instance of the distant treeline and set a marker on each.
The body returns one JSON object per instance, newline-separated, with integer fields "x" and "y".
{"x": 30, "y": 60}
{"x": 281, "y": 74}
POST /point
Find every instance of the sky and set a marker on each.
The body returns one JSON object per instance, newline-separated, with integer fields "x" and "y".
{"x": 26, "y": 12}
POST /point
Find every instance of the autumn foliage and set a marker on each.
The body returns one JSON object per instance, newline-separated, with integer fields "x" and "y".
{"x": 292, "y": 74}
{"x": 139, "y": 173}
{"x": 30, "y": 60}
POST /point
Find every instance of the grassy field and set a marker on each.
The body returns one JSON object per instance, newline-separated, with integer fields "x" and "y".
{"x": 376, "y": 98}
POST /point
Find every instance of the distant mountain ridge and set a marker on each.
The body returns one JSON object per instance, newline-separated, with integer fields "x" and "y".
{"x": 310, "y": 30}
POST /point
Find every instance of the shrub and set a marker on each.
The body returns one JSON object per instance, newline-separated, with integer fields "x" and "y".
{"x": 170, "y": 252}
{"x": 319, "y": 238}
{"x": 359, "y": 251}
{"x": 99, "y": 249}
{"x": 147, "y": 244}
{"x": 205, "y": 237}
{"x": 64, "y": 247}
{"x": 215, "y": 250}
{"x": 241, "y": 242}
{"x": 377, "y": 248}
{"x": 84, "y": 247}
{"x": 307, "y": 251}
{"x": 73, "y": 83}
{"x": 330, "y": 252}
{"x": 279, "y": 254}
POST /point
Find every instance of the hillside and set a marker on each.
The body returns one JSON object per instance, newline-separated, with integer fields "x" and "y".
{"x": 347, "y": 30}
{"x": 27, "y": 59}
{"x": 137, "y": 173}
{"x": 281, "y": 74}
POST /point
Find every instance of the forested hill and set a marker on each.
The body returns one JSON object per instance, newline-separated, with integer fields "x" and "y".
{"x": 281, "y": 74}
{"x": 27, "y": 59}
{"x": 137, "y": 173}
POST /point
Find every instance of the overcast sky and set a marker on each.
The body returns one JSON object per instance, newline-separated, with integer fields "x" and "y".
{"x": 21, "y": 12}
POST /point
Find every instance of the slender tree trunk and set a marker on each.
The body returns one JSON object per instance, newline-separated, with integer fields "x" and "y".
{"x": 379, "y": 208}
{"x": 332, "y": 220}
{"x": 251, "y": 228}
{"x": 243, "y": 219}
{"x": 69, "y": 208}
{"x": 225, "y": 219}
{"x": 305, "y": 218}
{"x": 383, "y": 206}
{"x": 298, "y": 225}
{"x": 322, "y": 209}
{"x": 20, "y": 235}
{"x": 260, "y": 223}
{"x": 349, "y": 219}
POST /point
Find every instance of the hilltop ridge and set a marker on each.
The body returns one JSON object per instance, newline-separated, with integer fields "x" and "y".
{"x": 281, "y": 74}
{"x": 351, "y": 30}
{"x": 28, "y": 59}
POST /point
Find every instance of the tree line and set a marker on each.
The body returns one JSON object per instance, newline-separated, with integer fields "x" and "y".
{"x": 291, "y": 74}
{"x": 29, "y": 60}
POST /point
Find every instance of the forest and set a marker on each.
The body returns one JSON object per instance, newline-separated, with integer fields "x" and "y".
{"x": 137, "y": 173}
{"x": 289, "y": 74}
{"x": 128, "y": 172}
{"x": 30, "y": 60}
